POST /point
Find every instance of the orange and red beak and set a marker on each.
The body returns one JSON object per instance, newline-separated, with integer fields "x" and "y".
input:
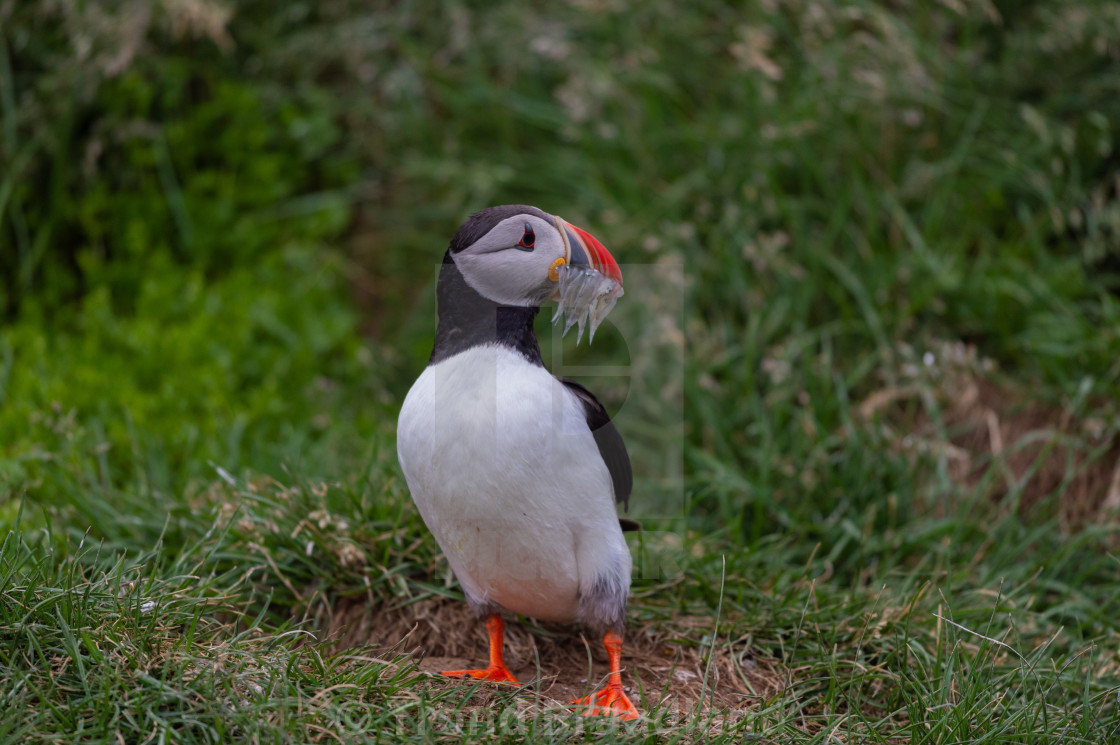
{"x": 585, "y": 249}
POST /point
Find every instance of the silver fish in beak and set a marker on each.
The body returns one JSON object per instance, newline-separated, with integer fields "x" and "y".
{"x": 589, "y": 283}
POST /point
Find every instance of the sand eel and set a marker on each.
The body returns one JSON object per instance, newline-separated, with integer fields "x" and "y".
{"x": 516, "y": 472}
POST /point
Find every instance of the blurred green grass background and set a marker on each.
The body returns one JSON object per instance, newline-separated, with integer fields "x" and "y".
{"x": 218, "y": 222}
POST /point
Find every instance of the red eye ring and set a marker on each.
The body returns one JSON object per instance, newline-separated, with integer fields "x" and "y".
{"x": 528, "y": 239}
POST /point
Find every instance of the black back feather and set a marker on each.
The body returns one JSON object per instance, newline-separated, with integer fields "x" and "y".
{"x": 611, "y": 445}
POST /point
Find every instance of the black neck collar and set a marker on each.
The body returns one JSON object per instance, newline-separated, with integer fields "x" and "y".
{"x": 467, "y": 319}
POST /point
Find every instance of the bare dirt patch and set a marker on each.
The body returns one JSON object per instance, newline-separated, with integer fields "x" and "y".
{"x": 662, "y": 665}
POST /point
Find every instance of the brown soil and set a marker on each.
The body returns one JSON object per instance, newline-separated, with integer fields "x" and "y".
{"x": 553, "y": 662}
{"x": 1039, "y": 448}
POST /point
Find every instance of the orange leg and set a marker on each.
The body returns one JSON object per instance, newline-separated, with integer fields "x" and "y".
{"x": 497, "y": 672}
{"x": 611, "y": 700}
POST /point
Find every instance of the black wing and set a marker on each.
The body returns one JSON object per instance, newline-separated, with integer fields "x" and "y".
{"x": 611, "y": 446}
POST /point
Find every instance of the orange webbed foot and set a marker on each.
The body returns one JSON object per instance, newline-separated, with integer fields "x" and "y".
{"x": 497, "y": 672}
{"x": 493, "y": 674}
{"x": 611, "y": 701}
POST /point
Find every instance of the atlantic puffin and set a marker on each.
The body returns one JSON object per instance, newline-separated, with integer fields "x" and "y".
{"x": 517, "y": 472}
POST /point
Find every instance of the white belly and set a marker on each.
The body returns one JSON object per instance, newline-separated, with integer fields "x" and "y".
{"x": 507, "y": 476}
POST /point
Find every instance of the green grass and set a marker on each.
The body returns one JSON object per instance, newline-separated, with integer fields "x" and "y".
{"x": 866, "y": 362}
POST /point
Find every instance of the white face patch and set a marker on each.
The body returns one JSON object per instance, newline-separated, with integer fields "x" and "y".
{"x": 498, "y": 269}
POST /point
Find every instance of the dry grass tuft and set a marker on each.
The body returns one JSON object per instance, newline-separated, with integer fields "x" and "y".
{"x": 1043, "y": 451}
{"x": 1041, "y": 448}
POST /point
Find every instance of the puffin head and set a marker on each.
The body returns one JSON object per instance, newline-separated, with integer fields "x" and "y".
{"x": 517, "y": 255}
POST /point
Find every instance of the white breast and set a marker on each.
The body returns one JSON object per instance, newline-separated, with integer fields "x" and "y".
{"x": 507, "y": 476}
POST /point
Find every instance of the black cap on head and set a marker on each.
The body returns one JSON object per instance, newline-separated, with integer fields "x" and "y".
{"x": 483, "y": 221}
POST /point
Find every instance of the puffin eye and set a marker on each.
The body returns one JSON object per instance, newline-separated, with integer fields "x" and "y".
{"x": 527, "y": 239}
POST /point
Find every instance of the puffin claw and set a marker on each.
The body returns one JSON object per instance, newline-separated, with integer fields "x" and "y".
{"x": 493, "y": 674}
{"x": 611, "y": 701}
